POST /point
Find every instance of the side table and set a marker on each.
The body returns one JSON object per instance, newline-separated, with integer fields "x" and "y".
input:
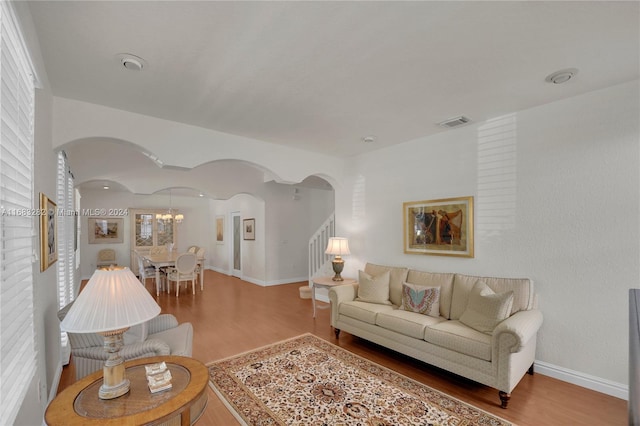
{"x": 182, "y": 404}
{"x": 326, "y": 282}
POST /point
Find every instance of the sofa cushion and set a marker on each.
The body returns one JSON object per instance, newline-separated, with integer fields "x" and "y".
{"x": 458, "y": 337}
{"x": 396, "y": 277}
{"x": 373, "y": 289}
{"x": 435, "y": 279}
{"x": 420, "y": 299}
{"x": 404, "y": 322}
{"x": 137, "y": 333}
{"x": 486, "y": 309}
{"x": 363, "y": 311}
{"x": 523, "y": 292}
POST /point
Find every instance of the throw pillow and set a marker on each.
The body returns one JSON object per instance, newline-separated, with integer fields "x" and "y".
{"x": 420, "y": 299}
{"x": 373, "y": 289}
{"x": 486, "y": 309}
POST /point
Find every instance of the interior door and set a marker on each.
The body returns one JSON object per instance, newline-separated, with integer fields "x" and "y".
{"x": 237, "y": 245}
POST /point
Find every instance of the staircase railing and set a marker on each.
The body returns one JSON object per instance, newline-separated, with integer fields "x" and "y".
{"x": 318, "y": 261}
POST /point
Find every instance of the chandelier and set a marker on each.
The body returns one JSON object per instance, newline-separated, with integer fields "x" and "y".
{"x": 170, "y": 214}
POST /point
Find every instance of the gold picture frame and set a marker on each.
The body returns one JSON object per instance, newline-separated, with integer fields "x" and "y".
{"x": 48, "y": 232}
{"x": 105, "y": 230}
{"x": 441, "y": 227}
{"x": 219, "y": 229}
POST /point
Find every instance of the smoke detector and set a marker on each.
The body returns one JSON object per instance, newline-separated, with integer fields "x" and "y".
{"x": 561, "y": 76}
{"x": 454, "y": 122}
{"x": 131, "y": 62}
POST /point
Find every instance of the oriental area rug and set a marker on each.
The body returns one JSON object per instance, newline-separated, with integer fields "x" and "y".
{"x": 309, "y": 381}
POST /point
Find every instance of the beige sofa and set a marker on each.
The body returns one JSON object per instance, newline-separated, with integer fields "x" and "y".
{"x": 498, "y": 358}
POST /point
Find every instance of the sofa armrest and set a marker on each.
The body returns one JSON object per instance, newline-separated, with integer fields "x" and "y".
{"x": 517, "y": 330}
{"x": 161, "y": 323}
{"x": 339, "y": 294}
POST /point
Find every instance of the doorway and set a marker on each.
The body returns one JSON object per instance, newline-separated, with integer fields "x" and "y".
{"x": 236, "y": 246}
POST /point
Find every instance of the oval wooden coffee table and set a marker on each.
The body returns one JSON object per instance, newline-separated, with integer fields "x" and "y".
{"x": 182, "y": 404}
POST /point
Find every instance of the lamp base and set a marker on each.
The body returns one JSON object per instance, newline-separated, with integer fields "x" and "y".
{"x": 115, "y": 383}
{"x": 338, "y": 266}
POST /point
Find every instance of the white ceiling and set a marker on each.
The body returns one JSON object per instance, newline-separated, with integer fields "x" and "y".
{"x": 322, "y": 75}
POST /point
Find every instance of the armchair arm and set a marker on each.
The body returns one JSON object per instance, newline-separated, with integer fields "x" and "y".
{"x": 339, "y": 294}
{"x": 151, "y": 347}
{"x": 161, "y": 323}
{"x": 517, "y": 330}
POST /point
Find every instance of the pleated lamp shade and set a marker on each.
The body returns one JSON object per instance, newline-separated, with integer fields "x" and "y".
{"x": 338, "y": 246}
{"x": 113, "y": 299}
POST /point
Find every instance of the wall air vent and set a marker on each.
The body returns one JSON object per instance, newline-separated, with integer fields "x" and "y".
{"x": 454, "y": 122}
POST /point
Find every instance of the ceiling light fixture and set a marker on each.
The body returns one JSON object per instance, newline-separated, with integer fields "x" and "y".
{"x": 105, "y": 187}
{"x": 131, "y": 62}
{"x": 369, "y": 139}
{"x": 561, "y": 76}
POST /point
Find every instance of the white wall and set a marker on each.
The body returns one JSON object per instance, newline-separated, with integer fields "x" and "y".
{"x": 292, "y": 218}
{"x": 565, "y": 214}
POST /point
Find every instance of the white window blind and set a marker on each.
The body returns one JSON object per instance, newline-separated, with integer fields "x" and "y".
{"x": 66, "y": 231}
{"x": 17, "y": 342}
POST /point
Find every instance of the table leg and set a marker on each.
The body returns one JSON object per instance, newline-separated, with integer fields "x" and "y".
{"x": 158, "y": 283}
{"x": 313, "y": 298}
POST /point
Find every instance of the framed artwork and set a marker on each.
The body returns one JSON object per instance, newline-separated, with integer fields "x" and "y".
{"x": 249, "y": 229}
{"x": 219, "y": 229}
{"x": 48, "y": 233}
{"x": 105, "y": 230}
{"x": 439, "y": 227}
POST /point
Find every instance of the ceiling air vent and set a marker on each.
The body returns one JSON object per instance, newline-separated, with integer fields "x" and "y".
{"x": 454, "y": 122}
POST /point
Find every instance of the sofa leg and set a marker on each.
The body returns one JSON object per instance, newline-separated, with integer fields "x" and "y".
{"x": 504, "y": 399}
{"x": 337, "y": 331}
{"x": 530, "y": 370}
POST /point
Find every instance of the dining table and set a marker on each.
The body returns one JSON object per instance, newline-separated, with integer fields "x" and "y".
{"x": 168, "y": 259}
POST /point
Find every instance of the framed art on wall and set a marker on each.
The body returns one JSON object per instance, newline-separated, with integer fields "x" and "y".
{"x": 249, "y": 229}
{"x": 219, "y": 229}
{"x": 105, "y": 230}
{"x": 48, "y": 232}
{"x": 439, "y": 227}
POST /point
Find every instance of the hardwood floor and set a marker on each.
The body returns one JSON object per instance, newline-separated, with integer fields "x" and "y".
{"x": 233, "y": 316}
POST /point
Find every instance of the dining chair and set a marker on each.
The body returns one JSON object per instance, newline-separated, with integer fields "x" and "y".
{"x": 200, "y": 265}
{"x": 146, "y": 271}
{"x": 184, "y": 271}
{"x": 106, "y": 257}
{"x": 192, "y": 249}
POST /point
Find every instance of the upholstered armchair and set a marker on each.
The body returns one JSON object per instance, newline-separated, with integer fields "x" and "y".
{"x": 160, "y": 336}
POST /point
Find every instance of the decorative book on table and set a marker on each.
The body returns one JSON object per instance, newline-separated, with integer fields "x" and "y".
{"x": 158, "y": 377}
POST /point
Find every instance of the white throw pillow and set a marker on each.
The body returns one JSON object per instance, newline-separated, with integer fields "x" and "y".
{"x": 373, "y": 289}
{"x": 421, "y": 299}
{"x": 486, "y": 309}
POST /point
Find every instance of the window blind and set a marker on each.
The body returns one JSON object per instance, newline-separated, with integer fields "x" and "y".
{"x": 17, "y": 218}
{"x": 66, "y": 231}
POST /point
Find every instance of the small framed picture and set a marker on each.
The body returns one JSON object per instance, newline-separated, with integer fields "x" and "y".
{"x": 48, "y": 233}
{"x": 219, "y": 229}
{"x": 249, "y": 229}
{"x": 106, "y": 230}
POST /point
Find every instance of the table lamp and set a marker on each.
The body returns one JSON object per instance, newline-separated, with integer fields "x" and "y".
{"x": 338, "y": 247}
{"x": 112, "y": 301}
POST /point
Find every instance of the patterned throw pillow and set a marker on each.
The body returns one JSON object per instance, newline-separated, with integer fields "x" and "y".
{"x": 420, "y": 299}
{"x": 486, "y": 309}
{"x": 373, "y": 289}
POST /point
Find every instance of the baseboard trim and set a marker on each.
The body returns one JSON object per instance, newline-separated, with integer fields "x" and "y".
{"x": 597, "y": 384}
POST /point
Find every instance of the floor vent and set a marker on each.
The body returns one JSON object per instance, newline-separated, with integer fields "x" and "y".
{"x": 455, "y": 122}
